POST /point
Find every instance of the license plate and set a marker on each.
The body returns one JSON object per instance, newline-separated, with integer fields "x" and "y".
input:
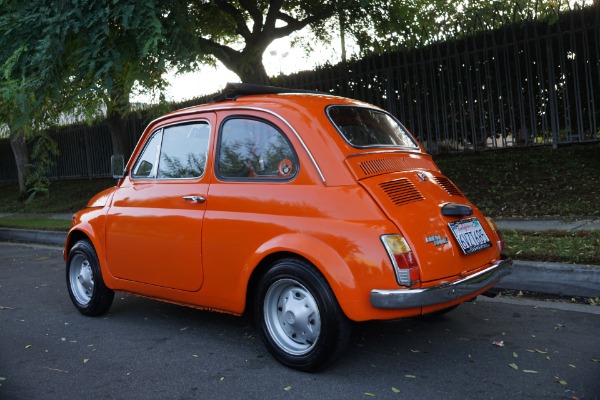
{"x": 470, "y": 235}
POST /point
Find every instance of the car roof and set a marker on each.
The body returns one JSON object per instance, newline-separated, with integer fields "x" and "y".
{"x": 233, "y": 91}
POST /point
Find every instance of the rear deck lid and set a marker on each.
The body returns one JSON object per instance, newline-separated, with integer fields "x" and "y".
{"x": 449, "y": 235}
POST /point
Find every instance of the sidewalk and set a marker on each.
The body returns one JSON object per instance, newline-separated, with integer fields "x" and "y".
{"x": 542, "y": 224}
{"x": 532, "y": 276}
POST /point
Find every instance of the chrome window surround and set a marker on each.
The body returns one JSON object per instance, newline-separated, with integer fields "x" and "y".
{"x": 154, "y": 176}
{"x": 258, "y": 109}
{"x": 371, "y": 146}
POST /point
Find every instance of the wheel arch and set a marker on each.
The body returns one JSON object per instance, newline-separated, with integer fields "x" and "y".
{"x": 329, "y": 264}
{"x": 73, "y": 237}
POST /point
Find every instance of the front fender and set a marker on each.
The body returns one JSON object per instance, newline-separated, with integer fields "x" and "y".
{"x": 89, "y": 224}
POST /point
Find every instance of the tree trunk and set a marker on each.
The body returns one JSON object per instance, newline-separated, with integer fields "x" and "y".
{"x": 21, "y": 153}
{"x": 253, "y": 71}
{"x": 248, "y": 64}
{"x": 119, "y": 134}
{"x": 117, "y": 123}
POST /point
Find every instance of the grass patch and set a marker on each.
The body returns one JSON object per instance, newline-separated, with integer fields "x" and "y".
{"x": 37, "y": 223}
{"x": 64, "y": 197}
{"x": 529, "y": 182}
{"x": 579, "y": 247}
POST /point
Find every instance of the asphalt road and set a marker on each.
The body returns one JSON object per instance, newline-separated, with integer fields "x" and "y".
{"x": 144, "y": 349}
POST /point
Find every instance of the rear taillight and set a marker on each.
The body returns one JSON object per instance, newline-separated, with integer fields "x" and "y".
{"x": 494, "y": 227}
{"x": 402, "y": 258}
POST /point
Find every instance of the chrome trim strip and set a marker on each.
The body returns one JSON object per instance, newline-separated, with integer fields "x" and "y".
{"x": 389, "y": 151}
{"x": 411, "y": 298}
{"x": 187, "y": 111}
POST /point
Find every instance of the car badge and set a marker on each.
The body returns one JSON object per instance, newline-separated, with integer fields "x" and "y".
{"x": 437, "y": 240}
{"x": 422, "y": 176}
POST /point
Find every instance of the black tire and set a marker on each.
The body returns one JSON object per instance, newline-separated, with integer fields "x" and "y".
{"x": 86, "y": 287}
{"x": 298, "y": 316}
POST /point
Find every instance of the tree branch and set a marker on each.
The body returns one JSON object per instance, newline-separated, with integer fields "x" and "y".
{"x": 255, "y": 14}
{"x": 223, "y": 53}
{"x": 238, "y": 17}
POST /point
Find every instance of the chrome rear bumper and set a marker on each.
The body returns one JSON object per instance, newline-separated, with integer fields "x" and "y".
{"x": 410, "y": 298}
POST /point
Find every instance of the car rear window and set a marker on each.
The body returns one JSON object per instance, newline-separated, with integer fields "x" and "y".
{"x": 365, "y": 127}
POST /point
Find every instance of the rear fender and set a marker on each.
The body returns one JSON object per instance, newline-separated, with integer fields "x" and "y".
{"x": 330, "y": 263}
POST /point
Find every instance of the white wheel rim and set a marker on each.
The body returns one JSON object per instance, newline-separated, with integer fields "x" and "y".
{"x": 292, "y": 317}
{"x": 81, "y": 279}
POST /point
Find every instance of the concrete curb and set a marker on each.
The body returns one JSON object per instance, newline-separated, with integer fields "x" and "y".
{"x": 553, "y": 278}
{"x": 582, "y": 224}
{"x": 532, "y": 276}
{"x": 26, "y": 235}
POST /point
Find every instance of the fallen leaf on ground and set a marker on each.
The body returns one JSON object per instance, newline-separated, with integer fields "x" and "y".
{"x": 2, "y": 378}
{"x": 369, "y": 394}
{"x": 561, "y": 381}
{"x": 6, "y": 308}
{"x": 515, "y": 355}
{"x": 529, "y": 371}
{"x": 410, "y": 376}
{"x": 287, "y": 388}
{"x": 499, "y": 343}
{"x": 28, "y": 346}
{"x": 513, "y": 366}
{"x": 85, "y": 360}
{"x": 395, "y": 390}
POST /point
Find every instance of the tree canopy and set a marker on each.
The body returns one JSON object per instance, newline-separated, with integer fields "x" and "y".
{"x": 92, "y": 55}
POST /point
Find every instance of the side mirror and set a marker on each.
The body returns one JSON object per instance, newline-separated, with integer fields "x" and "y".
{"x": 117, "y": 166}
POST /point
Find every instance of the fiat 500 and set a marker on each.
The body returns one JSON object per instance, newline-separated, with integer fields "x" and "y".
{"x": 308, "y": 211}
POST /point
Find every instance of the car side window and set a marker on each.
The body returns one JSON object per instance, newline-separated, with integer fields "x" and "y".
{"x": 175, "y": 152}
{"x": 254, "y": 149}
{"x": 148, "y": 160}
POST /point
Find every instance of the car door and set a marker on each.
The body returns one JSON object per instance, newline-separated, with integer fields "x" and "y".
{"x": 154, "y": 226}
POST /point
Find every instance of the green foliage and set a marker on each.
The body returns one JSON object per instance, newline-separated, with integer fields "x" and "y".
{"x": 378, "y": 27}
{"x": 44, "y": 151}
{"x": 87, "y": 54}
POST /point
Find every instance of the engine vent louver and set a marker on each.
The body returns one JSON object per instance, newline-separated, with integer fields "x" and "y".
{"x": 447, "y": 185}
{"x": 401, "y": 191}
{"x": 372, "y": 167}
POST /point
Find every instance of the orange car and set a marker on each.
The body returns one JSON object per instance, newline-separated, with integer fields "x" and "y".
{"x": 306, "y": 209}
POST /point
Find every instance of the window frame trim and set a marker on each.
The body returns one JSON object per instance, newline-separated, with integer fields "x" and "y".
{"x": 257, "y": 178}
{"x": 155, "y": 178}
{"x": 416, "y": 146}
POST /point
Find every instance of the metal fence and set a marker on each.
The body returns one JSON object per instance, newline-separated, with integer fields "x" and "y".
{"x": 525, "y": 83}
{"x": 532, "y": 82}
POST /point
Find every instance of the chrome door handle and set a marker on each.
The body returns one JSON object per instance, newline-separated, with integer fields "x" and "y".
{"x": 194, "y": 199}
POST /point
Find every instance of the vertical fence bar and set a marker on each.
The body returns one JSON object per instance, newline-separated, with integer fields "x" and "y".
{"x": 575, "y": 59}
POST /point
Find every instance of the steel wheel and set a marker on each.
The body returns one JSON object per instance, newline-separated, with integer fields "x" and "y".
{"x": 292, "y": 316}
{"x": 86, "y": 288}
{"x": 298, "y": 316}
{"x": 81, "y": 279}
